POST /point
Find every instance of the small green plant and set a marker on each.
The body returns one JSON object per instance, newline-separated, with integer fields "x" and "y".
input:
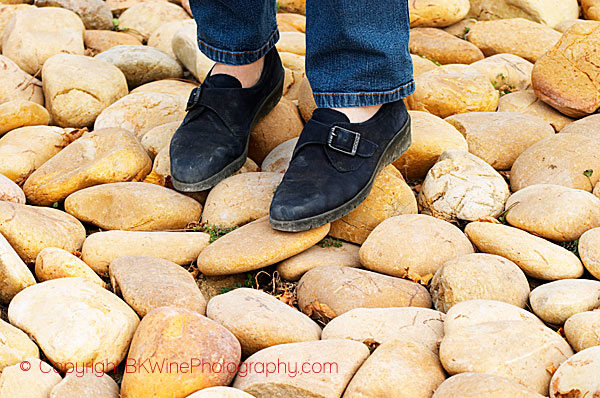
{"x": 226, "y": 289}
{"x": 116, "y": 26}
{"x": 588, "y": 173}
{"x": 466, "y": 32}
{"x": 501, "y": 85}
{"x": 214, "y": 231}
{"x": 278, "y": 6}
{"x": 432, "y": 60}
{"x": 55, "y": 205}
{"x": 248, "y": 282}
{"x": 571, "y": 246}
{"x": 330, "y": 242}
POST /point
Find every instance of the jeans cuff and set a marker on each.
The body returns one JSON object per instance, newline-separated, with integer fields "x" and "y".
{"x": 238, "y": 57}
{"x": 344, "y": 100}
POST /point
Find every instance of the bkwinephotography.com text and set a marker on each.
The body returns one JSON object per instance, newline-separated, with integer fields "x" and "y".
{"x": 193, "y": 365}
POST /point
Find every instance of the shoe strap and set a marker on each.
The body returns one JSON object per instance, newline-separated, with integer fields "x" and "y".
{"x": 336, "y": 139}
{"x": 223, "y": 102}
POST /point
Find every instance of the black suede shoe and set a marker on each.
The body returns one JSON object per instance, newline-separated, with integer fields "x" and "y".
{"x": 212, "y": 142}
{"x": 334, "y": 165}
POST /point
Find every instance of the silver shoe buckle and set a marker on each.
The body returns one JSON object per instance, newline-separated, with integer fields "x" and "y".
{"x": 337, "y": 131}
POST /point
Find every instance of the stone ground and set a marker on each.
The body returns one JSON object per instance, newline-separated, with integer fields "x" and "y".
{"x": 471, "y": 270}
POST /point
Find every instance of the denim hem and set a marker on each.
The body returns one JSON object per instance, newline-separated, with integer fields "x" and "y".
{"x": 238, "y": 57}
{"x": 344, "y": 100}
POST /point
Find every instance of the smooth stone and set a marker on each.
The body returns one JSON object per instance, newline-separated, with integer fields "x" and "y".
{"x": 440, "y": 46}
{"x": 162, "y": 37}
{"x": 587, "y": 126}
{"x": 564, "y": 77}
{"x": 37, "y": 382}
{"x": 578, "y": 375}
{"x": 404, "y": 369}
{"x": 78, "y": 88}
{"x": 540, "y": 210}
{"x": 582, "y": 328}
{"x": 88, "y": 384}
{"x": 119, "y": 6}
{"x": 567, "y": 23}
{"x": 75, "y": 322}
{"x": 437, "y": 13}
{"x": 54, "y": 263}
{"x": 518, "y": 350}
{"x": 589, "y": 251}
{"x": 478, "y": 276}
{"x": 240, "y": 199}
{"x": 21, "y": 113}
{"x": 292, "y": 61}
{"x": 100, "y": 157}
{"x": 95, "y": 14}
{"x": 536, "y": 256}
{"x": 346, "y": 255}
{"x": 430, "y": 136}
{"x": 390, "y": 196}
{"x": 141, "y": 64}
{"x": 101, "y": 248}
{"x": 527, "y": 102}
{"x": 16, "y": 83}
{"x": 259, "y": 320}
{"x": 291, "y": 83}
{"x": 461, "y": 28}
{"x": 15, "y": 346}
{"x": 591, "y": 9}
{"x": 145, "y": 17}
{"x": 220, "y": 392}
{"x": 347, "y": 356}
{"x": 461, "y": 186}
{"x": 8, "y": 8}
{"x": 25, "y": 149}
{"x": 278, "y": 160}
{"x": 175, "y": 87}
{"x": 413, "y": 245}
{"x": 188, "y": 339}
{"x": 452, "y": 89}
{"x": 498, "y": 138}
{"x": 507, "y": 72}
{"x": 421, "y": 64}
{"x": 561, "y": 159}
{"x": 556, "y": 301}
{"x": 293, "y": 6}
{"x": 253, "y": 246}
{"x": 159, "y": 137}
{"x": 133, "y": 206}
{"x": 482, "y": 385}
{"x": 97, "y": 41}
{"x": 399, "y": 368}
{"x": 14, "y": 273}
{"x": 382, "y": 325}
{"x": 10, "y": 192}
{"x": 330, "y": 291}
{"x": 31, "y": 229}
{"x": 474, "y": 312}
{"x": 281, "y": 124}
{"x": 34, "y": 35}
{"x": 185, "y": 47}
{"x": 293, "y": 42}
{"x": 140, "y": 112}
{"x": 147, "y": 283}
{"x": 548, "y": 12}
{"x": 306, "y": 100}
{"x": 296, "y": 21}
{"x": 518, "y": 36}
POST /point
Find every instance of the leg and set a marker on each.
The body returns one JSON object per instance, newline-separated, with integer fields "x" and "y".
{"x": 357, "y": 54}
{"x": 359, "y": 68}
{"x": 246, "y": 83}
{"x": 236, "y": 34}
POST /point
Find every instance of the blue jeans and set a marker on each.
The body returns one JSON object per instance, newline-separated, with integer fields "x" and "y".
{"x": 356, "y": 50}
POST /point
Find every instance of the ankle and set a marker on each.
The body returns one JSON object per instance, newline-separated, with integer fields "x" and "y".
{"x": 359, "y": 114}
{"x": 248, "y": 74}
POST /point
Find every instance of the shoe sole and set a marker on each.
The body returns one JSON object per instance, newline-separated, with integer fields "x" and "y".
{"x": 397, "y": 146}
{"x": 267, "y": 106}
